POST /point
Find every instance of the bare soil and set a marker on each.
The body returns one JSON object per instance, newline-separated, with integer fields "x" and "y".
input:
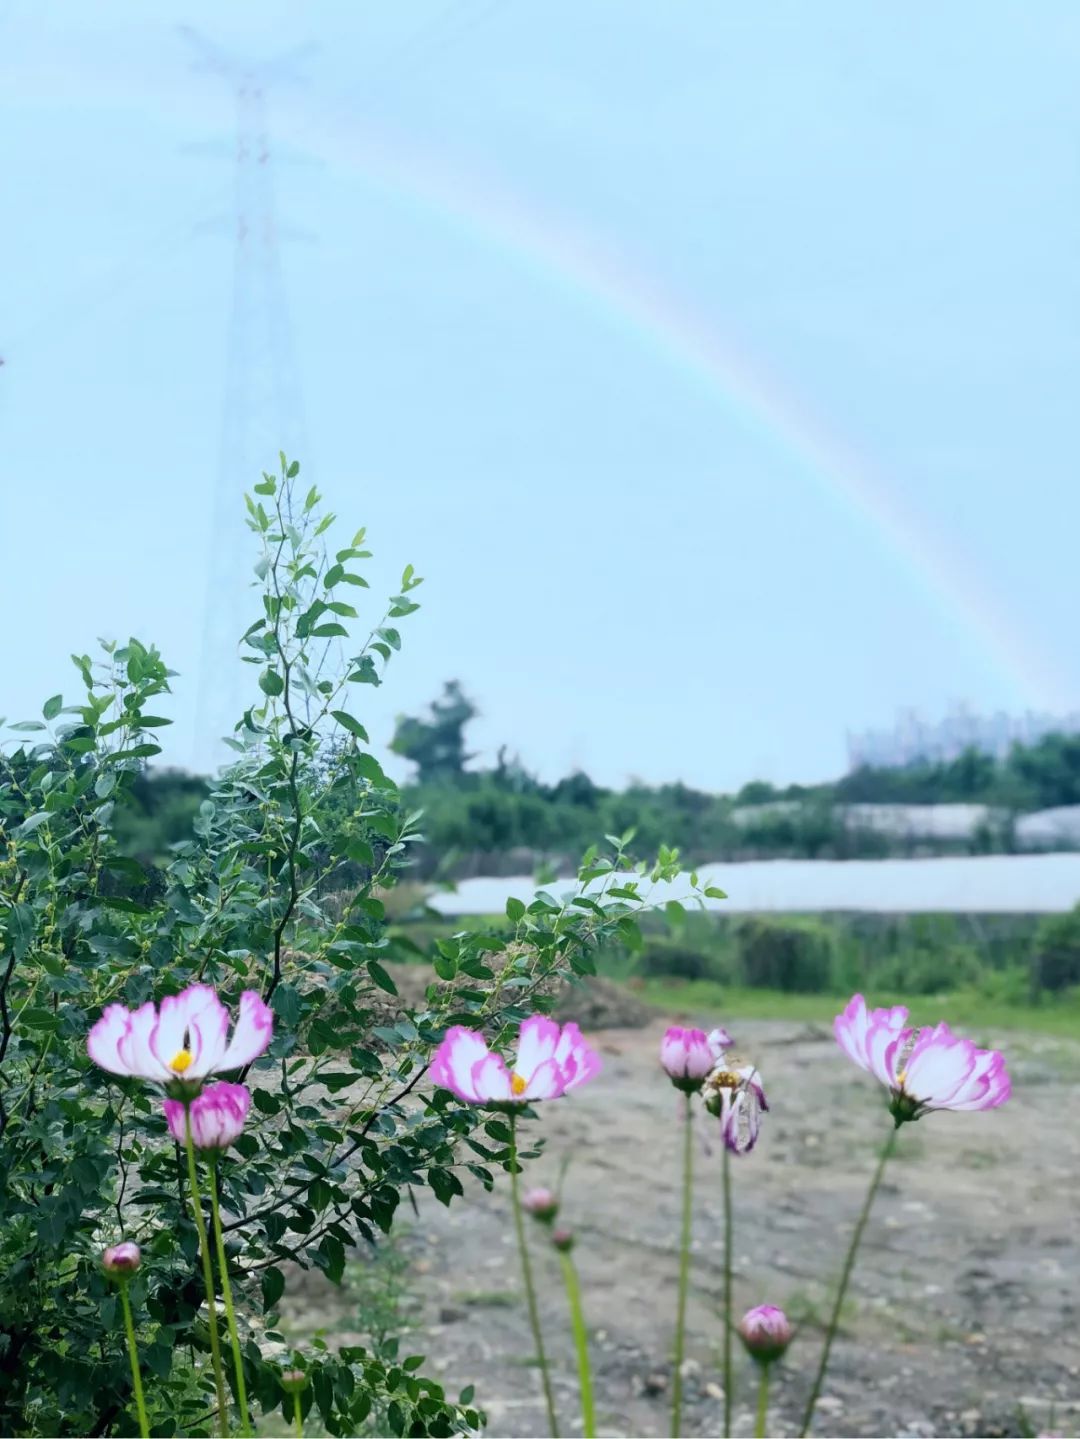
{"x": 963, "y": 1316}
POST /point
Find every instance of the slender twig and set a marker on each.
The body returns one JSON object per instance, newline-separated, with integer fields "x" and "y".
{"x": 849, "y": 1265}
{"x": 684, "y": 1265}
{"x": 530, "y": 1291}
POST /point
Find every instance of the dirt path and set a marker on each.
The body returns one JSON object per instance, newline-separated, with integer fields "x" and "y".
{"x": 964, "y": 1316}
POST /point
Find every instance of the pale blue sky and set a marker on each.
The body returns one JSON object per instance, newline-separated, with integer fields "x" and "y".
{"x": 877, "y": 207}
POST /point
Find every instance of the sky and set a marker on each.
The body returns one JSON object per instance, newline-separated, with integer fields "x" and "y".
{"x": 715, "y": 365}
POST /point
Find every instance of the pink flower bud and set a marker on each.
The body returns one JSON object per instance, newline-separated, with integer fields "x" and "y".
{"x": 563, "y": 1240}
{"x": 541, "y": 1203}
{"x": 686, "y": 1057}
{"x": 766, "y": 1332}
{"x": 217, "y": 1116}
{"x": 122, "y": 1259}
{"x": 293, "y": 1381}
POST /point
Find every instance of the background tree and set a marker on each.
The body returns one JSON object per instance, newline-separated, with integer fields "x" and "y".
{"x": 436, "y": 745}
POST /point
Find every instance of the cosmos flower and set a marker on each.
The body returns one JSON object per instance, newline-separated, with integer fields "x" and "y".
{"x": 542, "y": 1204}
{"x": 185, "y": 1039}
{"x": 765, "y": 1331}
{"x": 736, "y": 1097}
{"x": 122, "y": 1259}
{"x": 217, "y": 1116}
{"x": 924, "y": 1069}
{"x": 686, "y": 1057}
{"x": 550, "y": 1062}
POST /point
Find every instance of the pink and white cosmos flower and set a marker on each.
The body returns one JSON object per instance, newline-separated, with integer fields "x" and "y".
{"x": 924, "y": 1069}
{"x": 217, "y": 1116}
{"x": 736, "y": 1097}
{"x": 185, "y": 1039}
{"x": 550, "y": 1062}
{"x": 686, "y": 1057}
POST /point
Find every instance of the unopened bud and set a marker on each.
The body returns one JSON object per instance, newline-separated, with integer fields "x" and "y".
{"x": 563, "y": 1240}
{"x": 766, "y": 1332}
{"x": 293, "y": 1381}
{"x": 542, "y": 1204}
{"x": 122, "y": 1259}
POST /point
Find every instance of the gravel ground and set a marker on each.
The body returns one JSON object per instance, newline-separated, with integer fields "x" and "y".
{"x": 963, "y": 1315}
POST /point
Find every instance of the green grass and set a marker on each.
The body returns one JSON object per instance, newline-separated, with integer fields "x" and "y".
{"x": 966, "y": 1009}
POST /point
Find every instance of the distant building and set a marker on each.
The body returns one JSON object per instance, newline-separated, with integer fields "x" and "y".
{"x": 912, "y": 739}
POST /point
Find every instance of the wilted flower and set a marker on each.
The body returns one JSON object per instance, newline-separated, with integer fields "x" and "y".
{"x": 686, "y": 1057}
{"x": 122, "y": 1259}
{"x": 923, "y": 1069}
{"x": 182, "y": 1042}
{"x": 542, "y": 1204}
{"x": 735, "y": 1096}
{"x": 766, "y": 1332}
{"x": 549, "y": 1063}
{"x": 563, "y": 1240}
{"x": 217, "y": 1115}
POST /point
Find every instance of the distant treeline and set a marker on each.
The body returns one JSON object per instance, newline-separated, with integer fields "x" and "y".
{"x": 503, "y": 818}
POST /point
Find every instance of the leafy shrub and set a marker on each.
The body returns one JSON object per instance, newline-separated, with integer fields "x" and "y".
{"x": 343, "y": 1125}
{"x": 1055, "y": 961}
{"x": 788, "y": 954}
{"x": 929, "y": 970}
{"x": 665, "y": 959}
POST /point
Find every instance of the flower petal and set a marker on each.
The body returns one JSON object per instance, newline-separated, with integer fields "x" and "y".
{"x": 491, "y": 1080}
{"x": 453, "y": 1062}
{"x": 537, "y": 1041}
{"x": 175, "y": 1013}
{"x": 103, "y": 1041}
{"x": 866, "y": 1036}
{"x": 546, "y": 1082}
{"x": 134, "y": 1048}
{"x": 251, "y": 1037}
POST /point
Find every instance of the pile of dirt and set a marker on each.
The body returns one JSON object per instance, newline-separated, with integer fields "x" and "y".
{"x": 592, "y": 1003}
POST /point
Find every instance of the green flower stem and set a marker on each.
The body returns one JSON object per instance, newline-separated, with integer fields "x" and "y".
{"x": 762, "y": 1403}
{"x": 581, "y": 1343}
{"x": 226, "y": 1292}
{"x": 133, "y": 1355}
{"x": 684, "y": 1267}
{"x": 729, "y": 1376}
{"x": 849, "y": 1265}
{"x": 298, "y": 1416}
{"x": 526, "y": 1271}
{"x": 208, "y": 1273}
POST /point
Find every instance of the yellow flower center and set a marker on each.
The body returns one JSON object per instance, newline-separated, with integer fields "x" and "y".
{"x": 725, "y": 1079}
{"x": 518, "y": 1085}
{"x": 181, "y": 1061}
{"x": 901, "y": 1077}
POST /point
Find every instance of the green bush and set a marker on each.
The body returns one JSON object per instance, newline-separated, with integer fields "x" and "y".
{"x": 1055, "y": 960}
{"x": 929, "y": 970}
{"x": 795, "y": 955}
{"x": 666, "y": 959}
{"x": 339, "y": 1128}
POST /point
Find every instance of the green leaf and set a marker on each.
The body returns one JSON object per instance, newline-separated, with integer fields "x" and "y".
{"x": 52, "y": 707}
{"x": 515, "y": 910}
{"x": 445, "y": 1183}
{"x": 346, "y": 721}
{"x": 286, "y": 1004}
{"x": 273, "y": 1287}
{"x": 380, "y": 976}
{"x": 271, "y": 683}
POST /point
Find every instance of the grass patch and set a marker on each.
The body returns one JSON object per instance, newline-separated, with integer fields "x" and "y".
{"x": 965, "y": 1009}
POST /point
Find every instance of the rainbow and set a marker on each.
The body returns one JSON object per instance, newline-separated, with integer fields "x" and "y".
{"x": 680, "y": 336}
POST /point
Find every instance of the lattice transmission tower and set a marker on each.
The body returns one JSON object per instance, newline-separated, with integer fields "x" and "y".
{"x": 262, "y": 407}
